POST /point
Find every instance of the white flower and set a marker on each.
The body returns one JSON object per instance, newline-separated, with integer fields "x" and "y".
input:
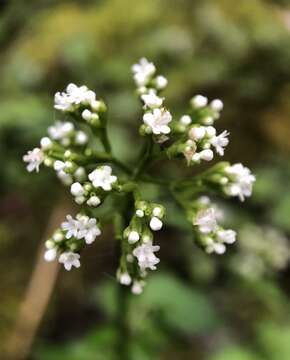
{"x": 70, "y": 259}
{"x": 94, "y": 201}
{"x": 220, "y": 142}
{"x": 226, "y": 236}
{"x": 155, "y": 223}
{"x": 146, "y": 257}
{"x": 124, "y": 278}
{"x": 217, "y": 105}
{"x": 102, "y": 177}
{"x": 71, "y": 226}
{"x": 88, "y": 229}
{"x": 198, "y": 101}
{"x": 241, "y": 181}
{"x": 34, "y": 158}
{"x": 133, "y": 237}
{"x": 157, "y": 211}
{"x": 74, "y": 95}
{"x": 50, "y": 255}
{"x": 161, "y": 82}
{"x": 206, "y": 220}
{"x": 158, "y": 121}
{"x": 152, "y": 100}
{"x": 60, "y": 130}
{"x": 210, "y": 131}
{"x": 77, "y": 189}
{"x": 143, "y": 71}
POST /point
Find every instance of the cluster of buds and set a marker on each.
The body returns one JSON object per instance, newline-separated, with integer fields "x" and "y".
{"x": 196, "y": 137}
{"x": 69, "y": 150}
{"x": 210, "y": 235}
{"x": 139, "y": 254}
{"x": 70, "y": 239}
{"x": 156, "y": 117}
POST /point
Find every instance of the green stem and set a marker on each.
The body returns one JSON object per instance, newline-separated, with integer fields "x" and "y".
{"x": 145, "y": 158}
{"x": 105, "y": 140}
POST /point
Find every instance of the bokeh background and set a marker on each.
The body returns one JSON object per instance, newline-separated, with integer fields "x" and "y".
{"x": 234, "y": 307}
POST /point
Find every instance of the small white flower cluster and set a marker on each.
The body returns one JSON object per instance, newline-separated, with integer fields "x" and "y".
{"x": 156, "y": 118}
{"x": 66, "y": 240}
{"x": 205, "y": 113}
{"x": 201, "y": 139}
{"x": 73, "y": 97}
{"x": 65, "y": 133}
{"x": 80, "y": 98}
{"x": 239, "y": 181}
{"x": 93, "y": 192}
{"x": 211, "y": 235}
{"x": 140, "y": 240}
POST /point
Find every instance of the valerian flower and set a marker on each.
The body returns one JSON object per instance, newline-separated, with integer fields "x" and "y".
{"x": 70, "y": 259}
{"x": 34, "y": 158}
{"x": 146, "y": 257}
{"x": 158, "y": 121}
{"x": 102, "y": 177}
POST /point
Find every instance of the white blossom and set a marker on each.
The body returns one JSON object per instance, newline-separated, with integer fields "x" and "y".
{"x": 71, "y": 226}
{"x": 206, "y": 220}
{"x": 241, "y": 181}
{"x": 152, "y": 100}
{"x": 74, "y": 96}
{"x": 60, "y": 130}
{"x": 88, "y": 229}
{"x": 146, "y": 257}
{"x": 210, "y": 131}
{"x": 215, "y": 247}
{"x": 197, "y": 133}
{"x": 81, "y": 138}
{"x": 155, "y": 223}
{"x": 158, "y": 121}
{"x": 70, "y": 259}
{"x": 34, "y": 158}
{"x": 102, "y": 177}
{"x": 220, "y": 142}
{"x": 226, "y": 236}
{"x": 143, "y": 71}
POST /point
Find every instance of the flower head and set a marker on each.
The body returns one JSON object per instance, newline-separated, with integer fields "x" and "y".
{"x": 34, "y": 158}
{"x": 143, "y": 71}
{"x": 151, "y": 100}
{"x": 220, "y": 142}
{"x": 102, "y": 177}
{"x": 146, "y": 257}
{"x": 158, "y": 121}
{"x": 70, "y": 259}
{"x": 206, "y": 220}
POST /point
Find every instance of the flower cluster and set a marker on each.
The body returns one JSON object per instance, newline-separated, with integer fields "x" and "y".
{"x": 70, "y": 238}
{"x": 93, "y": 175}
{"x": 210, "y": 234}
{"x": 156, "y": 118}
{"x": 139, "y": 247}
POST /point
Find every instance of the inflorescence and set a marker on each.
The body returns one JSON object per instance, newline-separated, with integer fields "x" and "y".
{"x": 93, "y": 175}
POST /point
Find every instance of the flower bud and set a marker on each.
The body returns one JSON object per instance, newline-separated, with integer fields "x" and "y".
{"x": 197, "y": 133}
{"x": 185, "y": 120}
{"x": 206, "y": 155}
{"x": 87, "y": 115}
{"x": 50, "y": 255}
{"x": 217, "y": 105}
{"x": 161, "y": 82}
{"x": 77, "y": 189}
{"x": 46, "y": 143}
{"x": 155, "y": 224}
{"x": 94, "y": 201}
{"x": 133, "y": 237}
{"x": 198, "y": 101}
{"x": 139, "y": 213}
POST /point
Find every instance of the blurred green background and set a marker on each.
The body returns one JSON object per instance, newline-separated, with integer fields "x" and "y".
{"x": 234, "y": 307}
